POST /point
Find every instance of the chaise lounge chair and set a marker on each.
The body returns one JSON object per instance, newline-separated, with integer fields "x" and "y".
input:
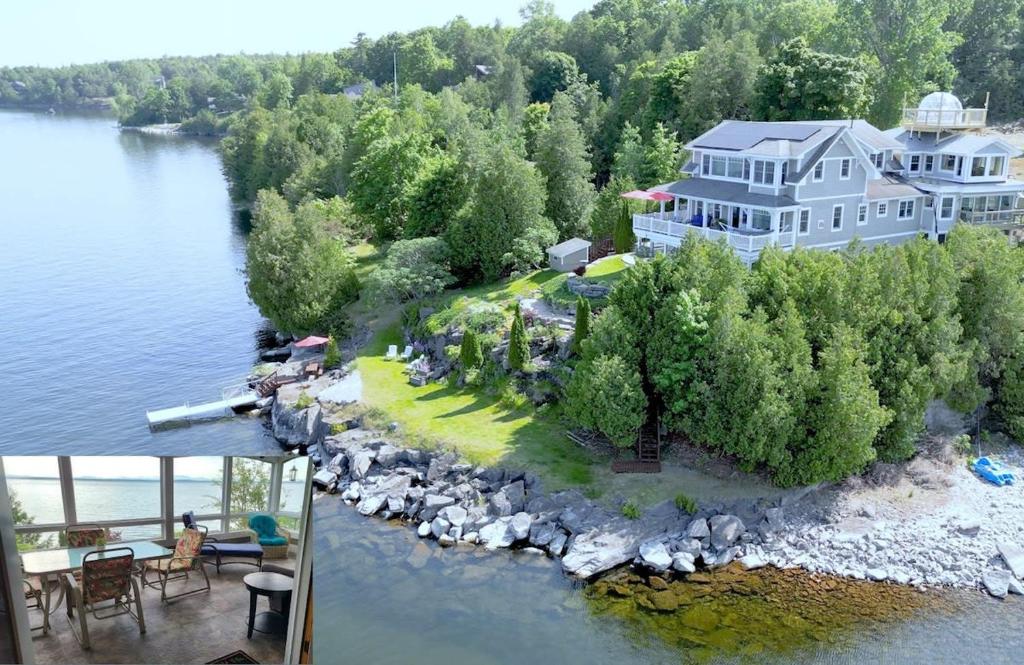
{"x": 251, "y": 553}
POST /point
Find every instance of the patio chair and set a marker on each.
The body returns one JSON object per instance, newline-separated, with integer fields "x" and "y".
{"x": 85, "y": 535}
{"x": 263, "y": 529}
{"x": 107, "y": 589}
{"x": 186, "y": 558}
{"x": 218, "y": 550}
{"x": 407, "y": 353}
{"x": 392, "y": 353}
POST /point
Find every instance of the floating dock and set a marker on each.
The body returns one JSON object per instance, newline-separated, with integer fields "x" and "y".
{"x": 187, "y": 412}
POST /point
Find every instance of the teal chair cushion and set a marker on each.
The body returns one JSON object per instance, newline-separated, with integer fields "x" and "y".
{"x": 265, "y": 527}
{"x": 273, "y": 540}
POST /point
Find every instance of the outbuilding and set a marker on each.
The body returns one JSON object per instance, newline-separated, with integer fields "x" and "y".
{"x": 569, "y": 255}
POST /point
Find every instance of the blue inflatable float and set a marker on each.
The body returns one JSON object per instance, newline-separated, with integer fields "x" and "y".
{"x": 993, "y": 472}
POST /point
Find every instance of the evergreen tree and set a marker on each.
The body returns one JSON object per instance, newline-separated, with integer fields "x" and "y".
{"x": 518, "y": 342}
{"x": 470, "y": 353}
{"x": 606, "y": 394}
{"x": 561, "y": 156}
{"x": 623, "y": 237}
{"x": 582, "y": 329}
{"x": 332, "y": 357}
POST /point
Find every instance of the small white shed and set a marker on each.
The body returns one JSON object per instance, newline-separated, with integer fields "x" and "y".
{"x": 569, "y": 255}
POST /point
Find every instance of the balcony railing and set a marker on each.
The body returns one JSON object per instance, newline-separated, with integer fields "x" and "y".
{"x": 749, "y": 241}
{"x": 1011, "y": 217}
{"x": 937, "y": 119}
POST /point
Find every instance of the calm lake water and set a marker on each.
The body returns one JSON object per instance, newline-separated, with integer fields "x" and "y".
{"x": 120, "y": 289}
{"x": 389, "y": 597}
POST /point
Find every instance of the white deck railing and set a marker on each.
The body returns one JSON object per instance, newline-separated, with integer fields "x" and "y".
{"x": 744, "y": 241}
{"x": 935, "y": 119}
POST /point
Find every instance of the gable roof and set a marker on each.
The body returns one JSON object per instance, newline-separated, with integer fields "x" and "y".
{"x": 823, "y": 149}
{"x": 955, "y": 144}
{"x": 567, "y": 247}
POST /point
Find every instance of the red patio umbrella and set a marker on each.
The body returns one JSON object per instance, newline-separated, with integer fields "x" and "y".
{"x": 312, "y": 340}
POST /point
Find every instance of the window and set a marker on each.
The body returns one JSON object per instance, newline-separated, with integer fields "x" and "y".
{"x": 293, "y": 486}
{"x": 198, "y": 485}
{"x": 34, "y": 483}
{"x": 735, "y": 168}
{"x": 761, "y": 220}
{"x": 946, "y": 207}
{"x": 250, "y": 488}
{"x": 959, "y": 166}
{"x": 805, "y": 222}
{"x": 844, "y": 169}
{"x": 862, "y": 214}
{"x": 883, "y": 209}
{"x": 96, "y": 480}
{"x": 915, "y": 163}
{"x": 717, "y": 165}
{"x": 978, "y": 166}
{"x": 995, "y": 166}
{"x": 929, "y": 163}
{"x": 819, "y": 172}
{"x": 787, "y": 222}
{"x": 906, "y": 209}
{"x": 782, "y": 176}
{"x": 764, "y": 172}
{"x": 948, "y": 162}
{"x": 705, "y": 168}
{"x": 837, "y": 217}
{"x": 877, "y": 159}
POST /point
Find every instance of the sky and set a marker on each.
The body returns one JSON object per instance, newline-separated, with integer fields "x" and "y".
{"x": 61, "y": 32}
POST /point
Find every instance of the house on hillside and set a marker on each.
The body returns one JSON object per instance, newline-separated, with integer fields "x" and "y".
{"x": 823, "y": 183}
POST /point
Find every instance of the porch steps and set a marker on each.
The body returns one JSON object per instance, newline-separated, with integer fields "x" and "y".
{"x": 635, "y": 466}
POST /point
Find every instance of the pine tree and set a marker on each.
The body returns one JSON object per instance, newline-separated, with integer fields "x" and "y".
{"x": 582, "y": 330}
{"x": 470, "y": 353}
{"x": 562, "y": 157}
{"x": 623, "y": 237}
{"x": 332, "y": 357}
{"x": 518, "y": 344}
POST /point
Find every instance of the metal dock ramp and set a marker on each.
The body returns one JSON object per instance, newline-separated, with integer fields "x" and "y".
{"x": 231, "y": 399}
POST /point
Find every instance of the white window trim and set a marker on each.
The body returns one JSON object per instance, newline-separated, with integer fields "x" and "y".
{"x": 814, "y": 172}
{"x": 882, "y": 209}
{"x": 899, "y": 210}
{"x": 924, "y": 166}
{"x": 952, "y": 206}
{"x": 799, "y": 218}
{"x": 842, "y": 213}
{"x": 862, "y": 212}
{"x": 910, "y": 162}
{"x": 848, "y": 163}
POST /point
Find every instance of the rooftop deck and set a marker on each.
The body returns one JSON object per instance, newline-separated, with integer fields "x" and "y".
{"x": 934, "y": 120}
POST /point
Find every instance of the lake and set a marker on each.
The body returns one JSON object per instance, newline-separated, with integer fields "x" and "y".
{"x": 120, "y": 289}
{"x": 385, "y": 596}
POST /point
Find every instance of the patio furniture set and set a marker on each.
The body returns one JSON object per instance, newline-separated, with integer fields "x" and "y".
{"x": 102, "y": 579}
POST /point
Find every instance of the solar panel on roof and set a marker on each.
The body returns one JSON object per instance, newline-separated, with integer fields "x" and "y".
{"x": 742, "y": 135}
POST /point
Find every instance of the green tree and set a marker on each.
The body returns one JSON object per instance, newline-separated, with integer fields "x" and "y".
{"x": 298, "y": 273}
{"x": 535, "y": 120}
{"x": 553, "y": 71}
{"x": 562, "y": 158}
{"x": 332, "y": 356}
{"x": 249, "y": 491}
{"x": 436, "y": 195}
{"x": 276, "y": 92}
{"x": 518, "y": 342}
{"x": 581, "y": 330}
{"x": 662, "y": 157}
{"x": 26, "y": 541}
{"x": 623, "y": 237}
{"x": 608, "y": 207}
{"x": 605, "y": 394}
{"x": 383, "y": 179}
{"x": 990, "y": 55}
{"x": 800, "y": 84}
{"x": 630, "y": 157}
{"x": 678, "y": 343}
{"x": 411, "y": 270}
{"x": 470, "y": 353}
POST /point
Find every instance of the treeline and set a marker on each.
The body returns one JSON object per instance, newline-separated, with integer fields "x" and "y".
{"x": 812, "y": 364}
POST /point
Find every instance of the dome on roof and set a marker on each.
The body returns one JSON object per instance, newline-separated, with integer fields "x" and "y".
{"x": 940, "y": 100}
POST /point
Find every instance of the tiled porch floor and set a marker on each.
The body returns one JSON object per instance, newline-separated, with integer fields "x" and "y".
{"x": 193, "y": 629}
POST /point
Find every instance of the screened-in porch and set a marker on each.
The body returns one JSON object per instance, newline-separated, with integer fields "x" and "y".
{"x": 207, "y": 555}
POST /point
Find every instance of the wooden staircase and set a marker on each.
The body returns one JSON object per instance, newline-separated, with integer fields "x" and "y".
{"x": 648, "y": 458}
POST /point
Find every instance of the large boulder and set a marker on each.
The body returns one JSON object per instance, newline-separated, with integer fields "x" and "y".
{"x": 509, "y": 500}
{"x": 1014, "y": 558}
{"x": 371, "y": 504}
{"x": 655, "y": 556}
{"x": 455, "y": 515}
{"x": 997, "y": 582}
{"x": 725, "y": 530}
{"x": 497, "y": 534}
{"x": 520, "y": 525}
{"x": 360, "y": 462}
{"x": 684, "y": 562}
{"x": 698, "y": 529}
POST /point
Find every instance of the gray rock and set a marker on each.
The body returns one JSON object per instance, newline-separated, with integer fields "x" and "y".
{"x": 371, "y": 504}
{"x": 388, "y": 455}
{"x": 752, "y": 561}
{"x": 352, "y": 492}
{"x": 775, "y": 518}
{"x": 727, "y": 556}
{"x": 1013, "y": 556}
{"x": 509, "y": 500}
{"x": 437, "y": 501}
{"x": 497, "y": 534}
{"x": 396, "y": 504}
{"x": 877, "y": 574}
{"x": 698, "y": 529}
{"x": 360, "y": 463}
{"x": 997, "y": 582}
{"x": 725, "y": 530}
{"x": 446, "y": 540}
{"x": 455, "y": 532}
{"x": 520, "y": 525}
{"x": 325, "y": 479}
{"x": 472, "y": 537}
{"x": 1015, "y": 586}
{"x": 440, "y": 466}
{"x": 655, "y": 556}
{"x": 424, "y": 530}
{"x": 439, "y": 526}
{"x": 542, "y": 533}
{"x": 558, "y": 541}
{"x": 969, "y": 528}
{"x": 684, "y": 562}
{"x": 456, "y": 515}
{"x": 689, "y": 545}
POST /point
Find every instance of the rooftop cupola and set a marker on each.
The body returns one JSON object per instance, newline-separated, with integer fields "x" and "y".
{"x": 943, "y": 112}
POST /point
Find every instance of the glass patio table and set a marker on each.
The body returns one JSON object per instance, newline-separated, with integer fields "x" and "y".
{"x": 52, "y": 563}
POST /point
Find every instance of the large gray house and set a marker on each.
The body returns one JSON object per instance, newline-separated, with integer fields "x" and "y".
{"x": 823, "y": 183}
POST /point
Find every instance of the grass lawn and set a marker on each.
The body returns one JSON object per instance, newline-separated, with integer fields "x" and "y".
{"x": 604, "y": 271}
{"x": 470, "y": 421}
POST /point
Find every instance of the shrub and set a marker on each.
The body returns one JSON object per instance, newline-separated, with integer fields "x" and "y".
{"x": 630, "y": 510}
{"x": 304, "y": 401}
{"x": 470, "y": 354}
{"x": 412, "y": 270}
{"x": 332, "y": 357}
{"x": 962, "y": 444}
{"x": 606, "y": 395}
{"x": 686, "y": 503}
{"x": 582, "y": 329}
{"x": 580, "y": 271}
{"x": 512, "y": 399}
{"x": 518, "y": 343}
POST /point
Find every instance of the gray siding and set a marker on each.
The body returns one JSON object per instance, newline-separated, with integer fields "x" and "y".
{"x": 832, "y": 184}
{"x": 876, "y": 227}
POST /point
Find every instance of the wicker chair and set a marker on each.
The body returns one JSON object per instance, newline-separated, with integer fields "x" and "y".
{"x": 107, "y": 579}
{"x": 186, "y": 558}
{"x": 263, "y": 529}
